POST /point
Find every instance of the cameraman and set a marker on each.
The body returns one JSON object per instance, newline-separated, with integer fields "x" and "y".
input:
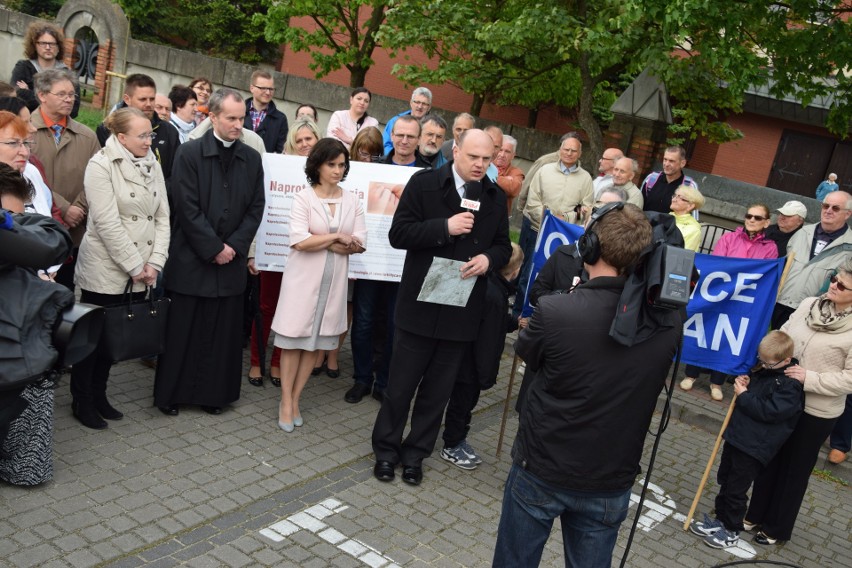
{"x": 587, "y": 392}
{"x": 29, "y": 307}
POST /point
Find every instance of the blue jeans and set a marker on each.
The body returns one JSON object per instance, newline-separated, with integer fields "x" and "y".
{"x": 527, "y": 243}
{"x": 366, "y": 299}
{"x": 589, "y": 524}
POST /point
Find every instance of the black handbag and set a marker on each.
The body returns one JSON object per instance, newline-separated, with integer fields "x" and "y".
{"x": 135, "y": 329}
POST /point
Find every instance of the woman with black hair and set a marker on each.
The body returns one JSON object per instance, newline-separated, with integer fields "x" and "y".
{"x": 326, "y": 226}
{"x": 345, "y": 124}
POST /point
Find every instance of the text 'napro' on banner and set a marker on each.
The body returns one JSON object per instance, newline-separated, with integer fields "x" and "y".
{"x": 378, "y": 186}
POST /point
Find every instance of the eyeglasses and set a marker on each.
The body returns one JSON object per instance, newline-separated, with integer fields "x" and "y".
{"x": 28, "y": 144}
{"x": 841, "y": 287}
{"x": 202, "y": 89}
{"x": 433, "y": 136}
{"x": 265, "y": 89}
{"x": 64, "y": 96}
{"x": 749, "y": 217}
{"x": 47, "y": 44}
{"x": 680, "y": 198}
{"x": 569, "y": 150}
{"x": 835, "y": 208}
{"x": 608, "y": 159}
{"x": 405, "y": 136}
{"x": 421, "y": 103}
{"x": 142, "y": 137}
{"x": 768, "y": 365}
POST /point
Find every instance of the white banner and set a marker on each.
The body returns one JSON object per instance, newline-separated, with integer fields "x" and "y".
{"x": 378, "y": 186}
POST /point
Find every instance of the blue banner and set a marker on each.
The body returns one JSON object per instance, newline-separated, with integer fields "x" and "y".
{"x": 729, "y": 312}
{"x": 553, "y": 234}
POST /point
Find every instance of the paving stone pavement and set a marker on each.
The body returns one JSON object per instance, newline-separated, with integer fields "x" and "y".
{"x": 234, "y": 490}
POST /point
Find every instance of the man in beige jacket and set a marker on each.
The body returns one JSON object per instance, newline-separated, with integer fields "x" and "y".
{"x": 64, "y": 147}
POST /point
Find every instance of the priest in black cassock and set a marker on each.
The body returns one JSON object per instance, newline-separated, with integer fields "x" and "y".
{"x": 217, "y": 192}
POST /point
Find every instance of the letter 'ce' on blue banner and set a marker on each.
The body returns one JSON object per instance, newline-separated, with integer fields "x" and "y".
{"x": 729, "y": 312}
{"x": 554, "y": 233}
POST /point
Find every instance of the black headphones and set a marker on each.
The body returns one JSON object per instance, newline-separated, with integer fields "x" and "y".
{"x": 589, "y": 245}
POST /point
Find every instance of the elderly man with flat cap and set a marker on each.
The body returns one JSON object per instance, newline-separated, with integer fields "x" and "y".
{"x": 791, "y": 217}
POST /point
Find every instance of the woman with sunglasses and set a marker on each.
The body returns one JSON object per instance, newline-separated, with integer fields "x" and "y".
{"x": 127, "y": 238}
{"x": 821, "y": 329}
{"x": 748, "y": 241}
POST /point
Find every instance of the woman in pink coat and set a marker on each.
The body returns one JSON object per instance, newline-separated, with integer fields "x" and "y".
{"x": 748, "y": 241}
{"x": 326, "y": 226}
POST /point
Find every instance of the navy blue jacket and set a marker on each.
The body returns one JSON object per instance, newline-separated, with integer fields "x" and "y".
{"x": 273, "y": 128}
{"x": 766, "y": 414}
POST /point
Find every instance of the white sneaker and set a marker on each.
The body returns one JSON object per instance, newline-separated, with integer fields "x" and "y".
{"x": 716, "y": 392}
{"x": 686, "y": 384}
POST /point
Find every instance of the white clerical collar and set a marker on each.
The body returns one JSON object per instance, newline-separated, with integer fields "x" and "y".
{"x": 225, "y": 143}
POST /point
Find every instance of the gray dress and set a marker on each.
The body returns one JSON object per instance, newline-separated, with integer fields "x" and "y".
{"x": 316, "y": 341}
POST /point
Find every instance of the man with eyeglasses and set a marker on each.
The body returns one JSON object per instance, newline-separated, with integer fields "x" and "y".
{"x": 64, "y": 147}
{"x": 791, "y": 218}
{"x": 44, "y": 48}
{"x": 819, "y": 249}
{"x": 140, "y": 92}
{"x": 563, "y": 187}
{"x": 433, "y": 129}
{"x": 658, "y": 187}
{"x": 262, "y": 116}
{"x": 373, "y": 300}
{"x": 421, "y": 104}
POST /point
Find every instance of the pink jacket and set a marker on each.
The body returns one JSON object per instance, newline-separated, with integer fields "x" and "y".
{"x": 738, "y": 245}
{"x": 300, "y": 283}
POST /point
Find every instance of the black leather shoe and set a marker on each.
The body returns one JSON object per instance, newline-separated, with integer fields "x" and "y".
{"x": 212, "y": 409}
{"x": 378, "y": 394}
{"x": 87, "y": 415}
{"x": 383, "y": 471}
{"x": 332, "y": 373}
{"x": 356, "y": 393}
{"x": 171, "y": 410}
{"x": 412, "y": 474}
{"x": 255, "y": 381}
{"x": 106, "y": 410}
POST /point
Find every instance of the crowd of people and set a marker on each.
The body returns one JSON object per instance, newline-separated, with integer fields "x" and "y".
{"x": 168, "y": 194}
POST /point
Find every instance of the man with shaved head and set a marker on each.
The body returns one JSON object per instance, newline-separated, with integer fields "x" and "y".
{"x": 623, "y": 172}
{"x": 454, "y": 212}
{"x": 605, "y": 165}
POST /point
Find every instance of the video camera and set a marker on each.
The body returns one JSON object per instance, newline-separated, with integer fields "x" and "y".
{"x": 658, "y": 287}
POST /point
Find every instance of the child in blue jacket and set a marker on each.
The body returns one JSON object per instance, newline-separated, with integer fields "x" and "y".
{"x": 768, "y": 406}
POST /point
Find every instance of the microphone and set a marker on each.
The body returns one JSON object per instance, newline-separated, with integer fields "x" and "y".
{"x": 470, "y": 201}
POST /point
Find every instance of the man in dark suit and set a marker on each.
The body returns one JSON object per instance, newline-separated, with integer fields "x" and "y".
{"x": 431, "y": 339}
{"x": 218, "y": 204}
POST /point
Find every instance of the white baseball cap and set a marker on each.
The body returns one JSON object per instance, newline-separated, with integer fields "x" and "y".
{"x": 794, "y": 208}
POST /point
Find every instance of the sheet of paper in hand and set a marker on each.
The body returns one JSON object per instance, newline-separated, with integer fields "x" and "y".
{"x": 444, "y": 285}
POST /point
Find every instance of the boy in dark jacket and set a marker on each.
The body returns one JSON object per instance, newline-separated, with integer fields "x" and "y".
{"x": 768, "y": 406}
{"x": 479, "y": 368}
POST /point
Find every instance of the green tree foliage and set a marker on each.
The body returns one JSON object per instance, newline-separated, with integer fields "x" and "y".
{"x": 577, "y": 53}
{"x": 220, "y": 28}
{"x": 344, "y": 33}
{"x": 42, "y": 8}
{"x": 526, "y": 52}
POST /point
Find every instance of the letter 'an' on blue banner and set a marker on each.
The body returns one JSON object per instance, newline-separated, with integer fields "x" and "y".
{"x": 554, "y": 233}
{"x": 729, "y": 312}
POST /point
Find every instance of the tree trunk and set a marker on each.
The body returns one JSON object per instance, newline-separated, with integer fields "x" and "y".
{"x": 587, "y": 118}
{"x": 476, "y": 104}
{"x": 357, "y": 76}
{"x": 532, "y": 117}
